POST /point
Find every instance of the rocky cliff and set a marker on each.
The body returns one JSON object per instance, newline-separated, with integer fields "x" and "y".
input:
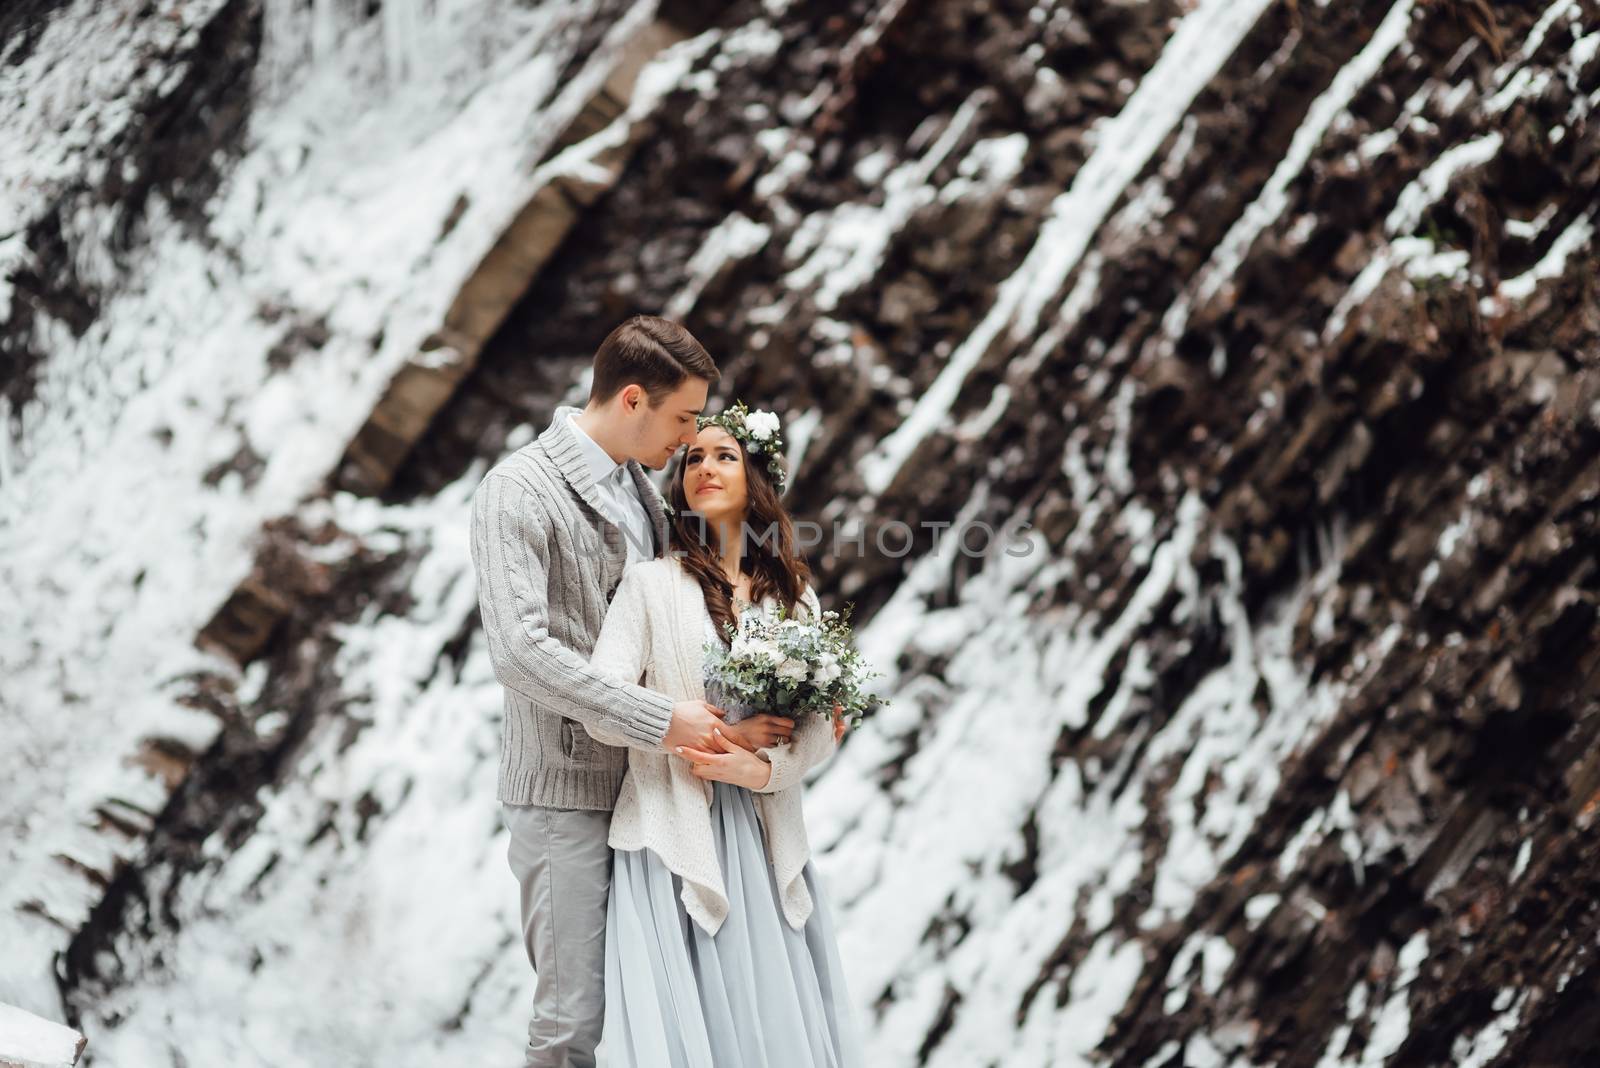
{"x": 1263, "y": 337}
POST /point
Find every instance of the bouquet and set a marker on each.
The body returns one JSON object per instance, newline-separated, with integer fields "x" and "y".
{"x": 790, "y": 667}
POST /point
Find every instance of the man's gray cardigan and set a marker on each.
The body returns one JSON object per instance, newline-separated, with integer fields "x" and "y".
{"x": 548, "y": 561}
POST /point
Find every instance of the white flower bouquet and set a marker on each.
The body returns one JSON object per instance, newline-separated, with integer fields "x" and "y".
{"x": 792, "y": 667}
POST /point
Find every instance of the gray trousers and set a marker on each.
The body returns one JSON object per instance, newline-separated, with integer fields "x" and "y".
{"x": 563, "y": 867}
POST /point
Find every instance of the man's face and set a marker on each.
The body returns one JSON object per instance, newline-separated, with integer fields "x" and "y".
{"x": 663, "y": 430}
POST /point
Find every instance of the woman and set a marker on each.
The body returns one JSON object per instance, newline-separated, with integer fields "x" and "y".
{"x": 720, "y": 948}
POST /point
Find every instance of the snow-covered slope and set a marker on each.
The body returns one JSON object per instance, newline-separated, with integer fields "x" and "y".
{"x": 1265, "y": 731}
{"x": 227, "y": 355}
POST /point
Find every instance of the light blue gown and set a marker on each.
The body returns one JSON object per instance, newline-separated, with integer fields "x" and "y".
{"x": 758, "y": 994}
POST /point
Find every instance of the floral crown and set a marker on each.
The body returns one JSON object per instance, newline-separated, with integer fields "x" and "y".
{"x": 757, "y": 430}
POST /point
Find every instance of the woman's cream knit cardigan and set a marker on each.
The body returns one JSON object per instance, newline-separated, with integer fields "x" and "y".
{"x": 654, "y": 635}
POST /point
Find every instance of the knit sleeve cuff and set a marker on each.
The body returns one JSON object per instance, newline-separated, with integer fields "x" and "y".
{"x": 646, "y": 721}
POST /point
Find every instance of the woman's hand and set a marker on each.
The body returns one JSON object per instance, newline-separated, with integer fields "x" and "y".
{"x": 757, "y": 732}
{"x": 839, "y": 724}
{"x": 730, "y": 764}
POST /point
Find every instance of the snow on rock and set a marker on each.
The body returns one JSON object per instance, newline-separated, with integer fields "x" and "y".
{"x": 386, "y": 850}
{"x": 1206, "y": 763}
{"x": 1269, "y": 204}
{"x": 226, "y": 368}
{"x": 1201, "y": 42}
{"x": 28, "y": 1041}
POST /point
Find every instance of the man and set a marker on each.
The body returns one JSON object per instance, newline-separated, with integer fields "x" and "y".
{"x": 553, "y": 526}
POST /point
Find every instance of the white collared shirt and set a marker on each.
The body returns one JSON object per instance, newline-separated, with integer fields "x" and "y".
{"x": 619, "y": 496}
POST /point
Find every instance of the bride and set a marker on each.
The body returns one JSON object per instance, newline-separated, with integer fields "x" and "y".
{"x": 720, "y": 948}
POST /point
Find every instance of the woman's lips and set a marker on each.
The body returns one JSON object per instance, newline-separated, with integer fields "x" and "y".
{"x": 705, "y": 489}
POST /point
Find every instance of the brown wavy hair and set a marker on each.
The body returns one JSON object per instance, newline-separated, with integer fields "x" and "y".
{"x": 771, "y": 558}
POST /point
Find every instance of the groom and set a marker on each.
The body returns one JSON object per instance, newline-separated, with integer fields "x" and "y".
{"x": 553, "y": 526}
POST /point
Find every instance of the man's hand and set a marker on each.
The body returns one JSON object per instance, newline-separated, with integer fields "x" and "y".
{"x": 692, "y": 724}
{"x": 726, "y": 762}
{"x": 760, "y": 731}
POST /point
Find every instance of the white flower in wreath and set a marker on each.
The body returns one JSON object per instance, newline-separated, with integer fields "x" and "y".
{"x": 793, "y": 670}
{"x": 762, "y": 425}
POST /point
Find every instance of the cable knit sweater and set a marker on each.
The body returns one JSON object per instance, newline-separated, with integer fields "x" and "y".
{"x": 654, "y": 634}
{"x": 547, "y": 559}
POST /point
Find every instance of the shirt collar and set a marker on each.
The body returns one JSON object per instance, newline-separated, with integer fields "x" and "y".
{"x": 600, "y": 463}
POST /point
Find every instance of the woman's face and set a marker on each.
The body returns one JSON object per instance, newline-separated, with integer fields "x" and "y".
{"x": 713, "y": 476}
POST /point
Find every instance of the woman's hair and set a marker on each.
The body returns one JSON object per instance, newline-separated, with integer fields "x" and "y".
{"x": 656, "y": 353}
{"x": 770, "y": 557}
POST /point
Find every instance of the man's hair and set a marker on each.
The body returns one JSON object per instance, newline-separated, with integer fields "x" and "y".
{"x": 656, "y": 353}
